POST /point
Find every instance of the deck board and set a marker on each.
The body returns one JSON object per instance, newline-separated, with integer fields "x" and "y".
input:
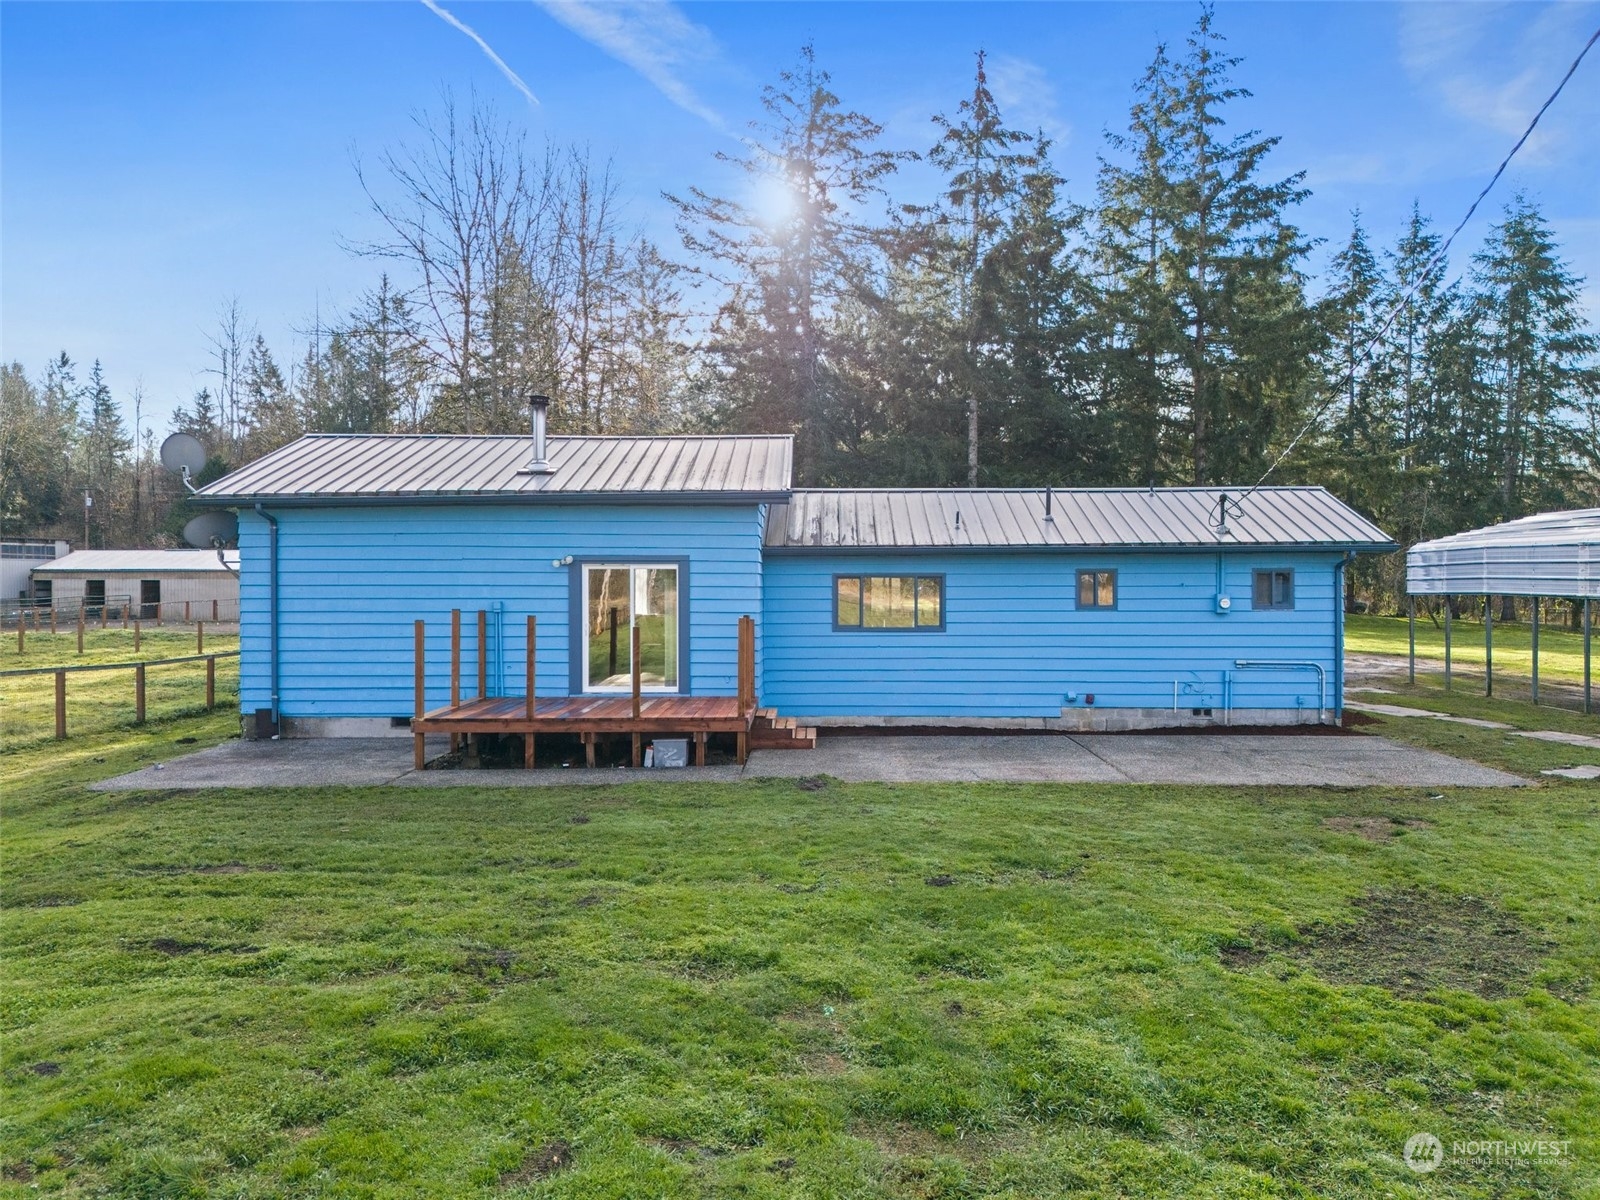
{"x": 588, "y": 714}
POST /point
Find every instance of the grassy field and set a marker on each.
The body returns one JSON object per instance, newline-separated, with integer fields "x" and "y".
{"x": 102, "y": 700}
{"x": 784, "y": 989}
{"x": 1560, "y": 651}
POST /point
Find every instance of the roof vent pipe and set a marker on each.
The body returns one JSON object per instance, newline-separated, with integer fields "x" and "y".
{"x": 1049, "y": 498}
{"x": 540, "y": 406}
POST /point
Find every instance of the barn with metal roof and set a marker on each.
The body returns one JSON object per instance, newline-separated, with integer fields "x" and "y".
{"x": 689, "y": 569}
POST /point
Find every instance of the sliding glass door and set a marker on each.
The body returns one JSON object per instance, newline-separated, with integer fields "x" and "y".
{"x": 615, "y": 596}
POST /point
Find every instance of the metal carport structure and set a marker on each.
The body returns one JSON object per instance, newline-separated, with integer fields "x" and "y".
{"x": 1551, "y": 555}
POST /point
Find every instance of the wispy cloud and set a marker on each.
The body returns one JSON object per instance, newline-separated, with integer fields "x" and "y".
{"x": 1027, "y": 98}
{"x": 511, "y": 76}
{"x": 1493, "y": 65}
{"x": 651, "y": 36}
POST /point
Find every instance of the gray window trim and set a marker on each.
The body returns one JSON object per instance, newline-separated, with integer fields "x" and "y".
{"x": 1077, "y": 589}
{"x": 1256, "y": 575}
{"x": 944, "y": 601}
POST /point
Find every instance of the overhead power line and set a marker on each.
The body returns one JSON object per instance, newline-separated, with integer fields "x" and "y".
{"x": 1365, "y": 351}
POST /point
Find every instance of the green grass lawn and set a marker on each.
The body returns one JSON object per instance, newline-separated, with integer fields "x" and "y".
{"x": 1560, "y": 650}
{"x": 782, "y": 989}
{"x": 98, "y": 701}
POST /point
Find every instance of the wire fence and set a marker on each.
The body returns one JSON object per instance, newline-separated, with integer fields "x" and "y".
{"x": 115, "y": 612}
{"x": 38, "y": 704}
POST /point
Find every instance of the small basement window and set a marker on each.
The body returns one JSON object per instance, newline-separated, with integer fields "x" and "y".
{"x": 1097, "y": 589}
{"x": 1274, "y": 589}
{"x": 888, "y": 602}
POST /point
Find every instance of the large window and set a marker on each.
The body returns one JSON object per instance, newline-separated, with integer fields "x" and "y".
{"x": 1097, "y": 589}
{"x": 1273, "y": 589}
{"x": 893, "y": 602}
{"x": 616, "y": 596}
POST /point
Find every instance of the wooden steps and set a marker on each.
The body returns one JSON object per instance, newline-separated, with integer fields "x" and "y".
{"x": 769, "y": 731}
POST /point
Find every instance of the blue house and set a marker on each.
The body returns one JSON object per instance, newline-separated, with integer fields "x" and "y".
{"x": 1045, "y": 608}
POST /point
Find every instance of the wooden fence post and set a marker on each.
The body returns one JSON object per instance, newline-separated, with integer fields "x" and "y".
{"x": 213, "y": 608}
{"x": 105, "y": 611}
{"x": 80, "y": 630}
{"x": 199, "y": 637}
{"x": 125, "y": 609}
{"x": 61, "y": 706}
{"x": 138, "y": 635}
{"x": 419, "y": 757}
{"x": 483, "y": 654}
{"x": 138, "y": 694}
{"x": 532, "y": 682}
{"x": 22, "y": 625}
{"x": 52, "y": 618}
{"x": 211, "y": 682}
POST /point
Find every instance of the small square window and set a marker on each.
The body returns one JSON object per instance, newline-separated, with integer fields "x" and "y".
{"x": 1274, "y": 589}
{"x": 1097, "y": 589}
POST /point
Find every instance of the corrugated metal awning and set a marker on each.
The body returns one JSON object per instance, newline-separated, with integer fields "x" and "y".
{"x": 349, "y": 468}
{"x": 952, "y": 518}
{"x": 1551, "y": 554}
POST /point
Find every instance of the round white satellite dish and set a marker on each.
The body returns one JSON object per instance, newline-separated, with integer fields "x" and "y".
{"x": 183, "y": 452}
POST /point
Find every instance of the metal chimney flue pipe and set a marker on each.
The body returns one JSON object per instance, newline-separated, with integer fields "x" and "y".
{"x": 540, "y": 411}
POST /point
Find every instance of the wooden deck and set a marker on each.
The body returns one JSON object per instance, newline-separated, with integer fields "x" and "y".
{"x": 589, "y": 716}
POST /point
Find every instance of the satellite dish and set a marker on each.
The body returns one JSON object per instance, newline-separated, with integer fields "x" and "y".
{"x": 183, "y": 453}
{"x": 212, "y": 529}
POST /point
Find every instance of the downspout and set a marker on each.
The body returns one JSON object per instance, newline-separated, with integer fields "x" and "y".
{"x": 1338, "y": 638}
{"x": 272, "y": 609}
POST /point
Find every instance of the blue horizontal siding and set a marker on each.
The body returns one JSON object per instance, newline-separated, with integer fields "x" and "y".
{"x": 1015, "y": 644}
{"x": 352, "y": 581}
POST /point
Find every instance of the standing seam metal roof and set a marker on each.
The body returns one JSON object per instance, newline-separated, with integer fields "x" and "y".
{"x": 1083, "y": 517}
{"x": 146, "y": 562}
{"x": 332, "y": 467}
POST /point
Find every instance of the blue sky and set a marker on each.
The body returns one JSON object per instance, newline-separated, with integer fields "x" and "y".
{"x": 157, "y": 160}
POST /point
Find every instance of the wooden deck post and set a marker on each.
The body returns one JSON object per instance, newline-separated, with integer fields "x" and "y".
{"x": 483, "y": 654}
{"x": 61, "y": 706}
{"x": 700, "y": 749}
{"x": 455, "y": 669}
{"x": 138, "y": 694}
{"x": 531, "y": 689}
{"x": 211, "y": 682}
{"x": 588, "y": 749}
{"x": 638, "y": 743}
{"x": 419, "y": 691}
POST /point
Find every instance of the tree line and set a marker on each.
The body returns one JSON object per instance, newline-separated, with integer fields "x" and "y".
{"x": 1169, "y": 329}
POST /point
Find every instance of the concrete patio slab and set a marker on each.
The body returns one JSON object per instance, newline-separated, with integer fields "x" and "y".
{"x": 1287, "y": 760}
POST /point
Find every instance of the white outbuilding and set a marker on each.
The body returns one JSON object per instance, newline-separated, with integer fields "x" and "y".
{"x": 154, "y": 585}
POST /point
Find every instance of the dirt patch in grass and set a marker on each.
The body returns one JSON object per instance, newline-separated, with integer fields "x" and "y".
{"x": 176, "y": 946}
{"x": 825, "y": 1063}
{"x": 940, "y": 881}
{"x": 234, "y": 868}
{"x": 1413, "y": 942}
{"x": 46, "y": 1068}
{"x": 1373, "y": 829}
{"x": 1241, "y": 956}
{"x": 553, "y": 1156}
